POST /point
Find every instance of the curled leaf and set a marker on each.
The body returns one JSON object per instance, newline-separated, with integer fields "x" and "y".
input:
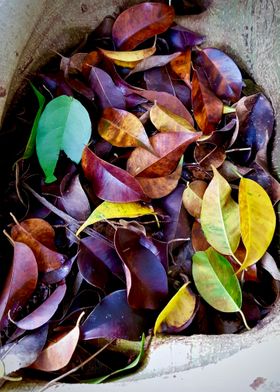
{"x": 192, "y": 197}
{"x": 128, "y": 59}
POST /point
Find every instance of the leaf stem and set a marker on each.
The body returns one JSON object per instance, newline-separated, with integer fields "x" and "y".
{"x": 9, "y": 237}
{"x": 244, "y": 320}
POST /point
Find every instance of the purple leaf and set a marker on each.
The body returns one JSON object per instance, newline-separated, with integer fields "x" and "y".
{"x": 59, "y": 274}
{"x": 114, "y": 318}
{"x": 146, "y": 277}
{"x": 56, "y": 83}
{"x": 179, "y": 38}
{"x": 154, "y": 62}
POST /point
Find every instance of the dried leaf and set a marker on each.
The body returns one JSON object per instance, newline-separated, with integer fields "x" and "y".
{"x": 268, "y": 263}
{"x": 91, "y": 60}
{"x": 180, "y": 39}
{"x": 181, "y": 66}
{"x": 199, "y": 241}
{"x": 192, "y": 197}
{"x": 154, "y": 62}
{"x": 128, "y": 59}
{"x": 166, "y": 121}
{"x": 208, "y": 155}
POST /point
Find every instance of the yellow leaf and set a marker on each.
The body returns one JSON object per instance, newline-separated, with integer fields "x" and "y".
{"x": 128, "y": 59}
{"x": 257, "y": 220}
{"x": 109, "y": 210}
{"x": 177, "y": 313}
{"x": 166, "y": 121}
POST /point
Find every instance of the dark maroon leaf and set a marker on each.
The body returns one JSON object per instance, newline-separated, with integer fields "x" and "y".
{"x": 59, "y": 274}
{"x": 44, "y": 312}
{"x": 179, "y": 38}
{"x": 146, "y": 277}
{"x": 20, "y": 354}
{"x": 208, "y": 154}
{"x": 107, "y": 93}
{"x": 190, "y": 7}
{"x": 81, "y": 88}
{"x": 133, "y": 100}
{"x": 56, "y": 84}
{"x": 109, "y": 182}
{"x": 114, "y": 318}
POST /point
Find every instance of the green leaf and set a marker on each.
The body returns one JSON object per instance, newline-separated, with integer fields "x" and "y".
{"x": 64, "y": 125}
{"x": 220, "y": 216}
{"x": 30, "y": 147}
{"x": 109, "y": 210}
{"x": 132, "y": 365}
{"x": 228, "y": 109}
{"x": 177, "y": 313}
{"x": 216, "y": 281}
{"x": 257, "y": 220}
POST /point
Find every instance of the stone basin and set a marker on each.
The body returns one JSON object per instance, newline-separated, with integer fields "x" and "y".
{"x": 247, "y": 30}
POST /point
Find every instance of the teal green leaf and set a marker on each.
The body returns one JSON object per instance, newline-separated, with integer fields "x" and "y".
{"x": 30, "y": 147}
{"x": 64, "y": 126}
{"x": 132, "y": 365}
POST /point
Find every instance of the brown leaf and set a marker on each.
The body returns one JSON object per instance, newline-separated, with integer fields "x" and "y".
{"x": 208, "y": 154}
{"x": 199, "y": 241}
{"x": 181, "y": 66}
{"x": 73, "y": 63}
{"x": 140, "y": 22}
{"x": 91, "y": 60}
{"x": 154, "y": 61}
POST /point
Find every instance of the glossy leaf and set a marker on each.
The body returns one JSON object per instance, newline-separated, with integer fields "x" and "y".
{"x": 181, "y": 66}
{"x": 207, "y": 107}
{"x": 30, "y": 147}
{"x": 220, "y": 216}
{"x": 140, "y": 22}
{"x": 257, "y": 220}
{"x": 168, "y": 146}
{"x": 122, "y": 129}
{"x": 44, "y": 312}
{"x": 20, "y": 282}
{"x": 108, "y": 210}
{"x": 222, "y": 73}
{"x": 145, "y": 275}
{"x": 154, "y": 62}
{"x": 216, "y": 281}
{"x": 178, "y": 313}
{"x": 192, "y": 197}
{"x": 128, "y": 59}
{"x": 166, "y": 121}
{"x": 179, "y": 38}
{"x": 58, "y": 351}
{"x": 107, "y": 93}
{"x": 114, "y": 318}
{"x": 58, "y": 274}
{"x": 64, "y": 125}
{"x": 109, "y": 182}
{"x": 209, "y": 154}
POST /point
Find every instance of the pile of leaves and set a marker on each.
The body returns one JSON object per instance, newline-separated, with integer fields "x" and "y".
{"x": 142, "y": 204}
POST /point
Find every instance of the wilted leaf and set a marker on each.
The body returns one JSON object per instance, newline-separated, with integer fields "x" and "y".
{"x": 20, "y": 282}
{"x": 222, "y": 73}
{"x": 108, "y": 94}
{"x": 145, "y": 275}
{"x": 209, "y": 154}
{"x": 30, "y": 147}
{"x": 122, "y": 129}
{"x": 128, "y": 59}
{"x": 91, "y": 60}
{"x": 64, "y": 125}
{"x": 140, "y": 22}
{"x": 154, "y": 62}
{"x": 168, "y": 146}
{"x": 181, "y": 66}
{"x": 179, "y": 38}
{"x": 72, "y": 64}
{"x": 109, "y": 182}
{"x": 58, "y": 351}
{"x": 114, "y": 318}
{"x": 199, "y": 241}
{"x": 257, "y": 220}
{"x": 44, "y": 312}
{"x": 166, "y": 121}
{"x": 178, "y": 313}
{"x": 207, "y": 107}
{"x": 108, "y": 210}
{"x": 220, "y": 216}
{"x": 192, "y": 197}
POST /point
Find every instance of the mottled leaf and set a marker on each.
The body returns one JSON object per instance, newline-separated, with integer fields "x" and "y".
{"x": 166, "y": 121}
{"x": 192, "y": 197}
{"x": 209, "y": 154}
{"x": 181, "y": 66}
{"x": 199, "y": 241}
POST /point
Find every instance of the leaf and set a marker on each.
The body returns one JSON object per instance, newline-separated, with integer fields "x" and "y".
{"x": 24, "y": 352}
{"x": 91, "y": 60}
{"x": 209, "y": 154}
{"x": 192, "y": 197}
{"x": 47, "y": 258}
{"x": 56, "y": 84}
{"x": 216, "y": 281}
{"x": 146, "y": 277}
{"x": 20, "y": 282}
{"x": 58, "y": 274}
{"x": 199, "y": 241}
{"x": 181, "y": 66}
{"x": 109, "y": 182}
{"x": 108, "y": 94}
{"x": 207, "y": 108}
{"x": 154, "y": 62}
{"x": 158, "y": 187}
{"x": 222, "y": 73}
{"x": 166, "y": 121}
{"x": 30, "y": 147}
{"x": 168, "y": 146}
{"x": 257, "y": 220}
{"x": 44, "y": 312}
{"x": 128, "y": 59}
{"x": 140, "y": 22}
{"x": 64, "y": 125}
{"x": 58, "y": 351}
{"x": 72, "y": 64}
{"x": 114, "y": 318}
{"x": 268, "y": 263}
{"x": 122, "y": 129}
{"x": 108, "y": 210}
{"x": 130, "y": 366}
{"x": 220, "y": 216}
{"x": 180, "y": 39}
{"x": 178, "y": 313}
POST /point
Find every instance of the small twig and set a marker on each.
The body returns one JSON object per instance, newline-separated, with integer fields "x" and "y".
{"x": 238, "y": 149}
{"x": 52, "y": 382}
{"x": 9, "y": 237}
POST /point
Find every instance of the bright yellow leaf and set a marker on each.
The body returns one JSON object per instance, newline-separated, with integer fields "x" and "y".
{"x": 166, "y": 121}
{"x": 128, "y": 59}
